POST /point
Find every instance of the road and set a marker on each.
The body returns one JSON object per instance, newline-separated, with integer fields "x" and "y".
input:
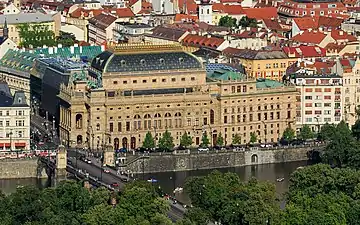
{"x": 176, "y": 211}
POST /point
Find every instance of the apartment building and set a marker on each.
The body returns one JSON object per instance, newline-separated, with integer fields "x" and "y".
{"x": 319, "y": 99}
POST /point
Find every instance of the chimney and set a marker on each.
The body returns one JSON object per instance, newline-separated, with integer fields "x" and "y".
{"x": 72, "y": 50}
{"x": 44, "y": 46}
{"x": 208, "y": 35}
{"x": 103, "y": 48}
{"x": 341, "y": 33}
{"x": 80, "y": 49}
{"x": 51, "y": 50}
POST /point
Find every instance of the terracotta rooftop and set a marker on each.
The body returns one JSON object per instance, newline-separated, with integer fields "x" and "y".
{"x": 167, "y": 33}
{"x": 103, "y": 20}
{"x": 234, "y": 10}
{"x": 334, "y": 47}
{"x": 315, "y": 22}
{"x": 340, "y": 36}
{"x": 185, "y": 18}
{"x": 119, "y": 12}
{"x": 313, "y": 37}
{"x": 305, "y": 51}
{"x": 202, "y": 41}
{"x": 261, "y": 13}
{"x": 273, "y": 24}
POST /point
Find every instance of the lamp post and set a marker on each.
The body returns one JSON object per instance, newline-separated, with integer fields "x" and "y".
{"x": 10, "y": 135}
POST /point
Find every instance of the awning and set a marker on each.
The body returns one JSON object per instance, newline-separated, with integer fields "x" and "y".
{"x": 6, "y": 145}
{"x": 20, "y": 144}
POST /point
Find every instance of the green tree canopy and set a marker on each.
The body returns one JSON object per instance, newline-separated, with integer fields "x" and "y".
{"x": 225, "y": 198}
{"x": 35, "y": 35}
{"x": 149, "y": 141}
{"x": 326, "y": 132}
{"x": 253, "y": 137}
{"x": 306, "y": 133}
{"x": 289, "y": 134}
{"x": 236, "y": 140}
{"x": 205, "y": 140}
{"x": 356, "y": 130}
{"x": 227, "y": 21}
{"x": 247, "y": 22}
{"x": 220, "y": 140}
{"x": 166, "y": 141}
{"x": 186, "y": 140}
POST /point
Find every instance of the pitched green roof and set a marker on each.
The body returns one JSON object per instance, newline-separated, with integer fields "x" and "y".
{"x": 266, "y": 83}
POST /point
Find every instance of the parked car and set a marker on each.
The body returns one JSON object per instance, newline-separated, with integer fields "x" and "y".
{"x": 88, "y": 161}
{"x": 106, "y": 171}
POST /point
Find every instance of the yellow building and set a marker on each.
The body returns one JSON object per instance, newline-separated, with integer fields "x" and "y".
{"x": 14, "y": 20}
{"x": 147, "y": 88}
{"x": 261, "y": 63}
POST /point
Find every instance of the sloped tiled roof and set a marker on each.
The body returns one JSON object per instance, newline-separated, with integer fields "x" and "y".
{"x": 305, "y": 51}
{"x": 340, "y": 35}
{"x": 119, "y": 12}
{"x": 103, "y": 20}
{"x": 314, "y": 37}
{"x": 273, "y": 24}
{"x": 167, "y": 33}
{"x": 202, "y": 41}
{"x": 261, "y": 13}
{"x": 334, "y": 47}
{"x": 234, "y": 10}
{"x": 185, "y": 18}
{"x": 315, "y": 22}
{"x": 254, "y": 54}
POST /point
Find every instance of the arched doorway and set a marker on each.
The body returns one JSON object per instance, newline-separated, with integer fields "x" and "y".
{"x": 214, "y": 137}
{"x": 132, "y": 143}
{"x": 254, "y": 158}
{"x": 125, "y": 143}
{"x": 116, "y": 143}
{"x": 79, "y": 139}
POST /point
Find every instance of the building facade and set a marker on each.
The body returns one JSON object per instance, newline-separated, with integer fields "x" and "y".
{"x": 14, "y": 120}
{"x": 261, "y": 63}
{"x": 319, "y": 100}
{"x": 147, "y": 88}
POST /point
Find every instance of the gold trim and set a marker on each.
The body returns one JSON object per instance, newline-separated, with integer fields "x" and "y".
{"x": 145, "y": 47}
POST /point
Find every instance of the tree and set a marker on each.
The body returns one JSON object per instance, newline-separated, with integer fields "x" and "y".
{"x": 227, "y": 21}
{"x": 197, "y": 215}
{"x": 247, "y": 22}
{"x": 66, "y": 39}
{"x": 166, "y": 142}
{"x": 289, "y": 134}
{"x": 205, "y": 140}
{"x": 306, "y": 133}
{"x": 253, "y": 137}
{"x": 186, "y": 140}
{"x": 356, "y": 130}
{"x": 225, "y": 198}
{"x": 326, "y": 132}
{"x": 149, "y": 141}
{"x": 220, "y": 140}
{"x": 35, "y": 35}
{"x": 357, "y": 111}
{"x": 236, "y": 140}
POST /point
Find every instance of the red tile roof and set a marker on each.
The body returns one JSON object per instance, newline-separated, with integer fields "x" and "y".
{"x": 334, "y": 47}
{"x": 146, "y": 7}
{"x": 202, "y": 41}
{"x": 190, "y": 6}
{"x": 119, "y": 12}
{"x": 340, "y": 36}
{"x": 234, "y": 10}
{"x": 230, "y": 1}
{"x": 261, "y": 13}
{"x": 313, "y": 37}
{"x": 103, "y": 20}
{"x": 185, "y": 18}
{"x": 305, "y": 23}
{"x": 273, "y": 24}
{"x": 305, "y": 51}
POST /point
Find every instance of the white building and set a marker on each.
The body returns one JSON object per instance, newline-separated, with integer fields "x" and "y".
{"x": 14, "y": 120}
{"x": 205, "y": 12}
{"x": 130, "y": 32}
{"x": 319, "y": 100}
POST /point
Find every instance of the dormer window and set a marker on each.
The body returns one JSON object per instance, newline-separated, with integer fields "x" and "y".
{"x": 162, "y": 61}
{"x": 19, "y": 100}
{"x": 142, "y": 62}
{"x": 181, "y": 60}
{"x": 123, "y": 63}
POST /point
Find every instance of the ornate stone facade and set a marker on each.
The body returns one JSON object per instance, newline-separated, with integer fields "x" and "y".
{"x": 154, "y": 88}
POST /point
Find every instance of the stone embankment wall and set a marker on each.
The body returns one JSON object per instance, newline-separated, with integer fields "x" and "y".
{"x": 20, "y": 168}
{"x": 215, "y": 159}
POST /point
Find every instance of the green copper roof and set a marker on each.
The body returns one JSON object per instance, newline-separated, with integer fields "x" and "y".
{"x": 222, "y": 74}
{"x": 266, "y": 83}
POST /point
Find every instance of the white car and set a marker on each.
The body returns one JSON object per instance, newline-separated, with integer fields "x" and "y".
{"x": 106, "y": 171}
{"x": 88, "y": 161}
{"x": 203, "y": 149}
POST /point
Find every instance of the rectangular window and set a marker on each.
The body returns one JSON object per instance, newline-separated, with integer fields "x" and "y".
{"x": 111, "y": 127}
{"x": 308, "y": 97}
{"x": 327, "y": 120}
{"x": 259, "y": 116}
{"x": 308, "y": 120}
{"x": 225, "y": 119}
{"x": 308, "y": 104}
{"x": 327, "y": 104}
{"x": 308, "y": 89}
{"x": 327, "y": 97}
{"x": 244, "y": 89}
{"x": 317, "y": 112}
{"x": 317, "y": 104}
{"x": 288, "y": 114}
{"x": 278, "y": 115}
{"x": 308, "y": 112}
{"x": 119, "y": 126}
{"x": 7, "y": 112}
{"x": 205, "y": 121}
{"x": 127, "y": 126}
{"x": 327, "y": 112}
{"x": 7, "y": 123}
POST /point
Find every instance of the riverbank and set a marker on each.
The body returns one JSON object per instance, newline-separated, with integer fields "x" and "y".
{"x": 20, "y": 168}
{"x": 187, "y": 161}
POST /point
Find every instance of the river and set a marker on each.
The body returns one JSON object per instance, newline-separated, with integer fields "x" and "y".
{"x": 170, "y": 180}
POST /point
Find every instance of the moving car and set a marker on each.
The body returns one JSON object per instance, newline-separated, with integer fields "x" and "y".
{"x": 203, "y": 149}
{"x": 106, "y": 171}
{"x": 115, "y": 184}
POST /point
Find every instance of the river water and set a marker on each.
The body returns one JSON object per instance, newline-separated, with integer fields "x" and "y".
{"x": 170, "y": 180}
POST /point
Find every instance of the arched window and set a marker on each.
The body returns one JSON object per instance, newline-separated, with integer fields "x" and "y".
{"x": 157, "y": 121}
{"x": 137, "y": 122}
{"x": 168, "y": 121}
{"x": 147, "y": 122}
{"x": 78, "y": 121}
{"x": 98, "y": 126}
{"x": 178, "y": 119}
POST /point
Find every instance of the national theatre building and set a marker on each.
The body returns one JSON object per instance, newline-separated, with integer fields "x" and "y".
{"x": 161, "y": 87}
